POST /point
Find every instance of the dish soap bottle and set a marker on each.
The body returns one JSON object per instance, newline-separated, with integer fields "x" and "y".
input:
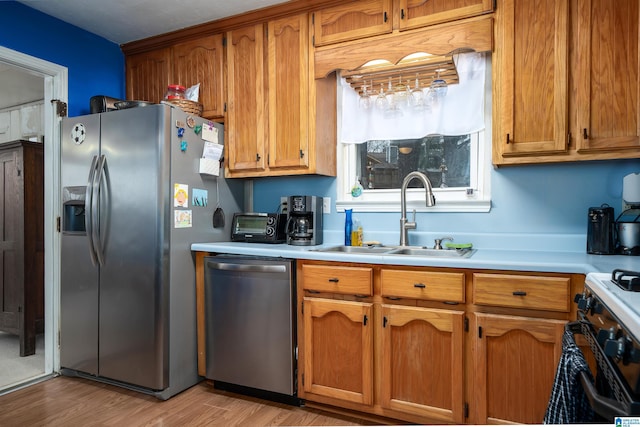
{"x": 356, "y": 233}
{"x": 348, "y": 224}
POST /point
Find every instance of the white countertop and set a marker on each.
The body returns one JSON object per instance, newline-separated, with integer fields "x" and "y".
{"x": 491, "y": 259}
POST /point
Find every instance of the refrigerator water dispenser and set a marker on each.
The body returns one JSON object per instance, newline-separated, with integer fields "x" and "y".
{"x": 73, "y": 212}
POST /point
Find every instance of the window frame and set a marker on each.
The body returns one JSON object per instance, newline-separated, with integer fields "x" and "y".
{"x": 447, "y": 199}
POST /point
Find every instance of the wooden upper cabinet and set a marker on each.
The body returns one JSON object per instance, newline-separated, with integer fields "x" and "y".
{"x": 148, "y": 75}
{"x": 366, "y": 18}
{"x": 246, "y": 124}
{"x": 418, "y": 13}
{"x": 607, "y": 75}
{"x": 288, "y": 51}
{"x": 530, "y": 78}
{"x": 201, "y": 61}
{"x": 353, "y": 20}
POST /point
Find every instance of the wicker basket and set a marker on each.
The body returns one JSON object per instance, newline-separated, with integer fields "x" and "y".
{"x": 189, "y": 107}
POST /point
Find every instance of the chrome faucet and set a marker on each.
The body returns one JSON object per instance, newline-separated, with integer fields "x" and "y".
{"x": 429, "y": 198}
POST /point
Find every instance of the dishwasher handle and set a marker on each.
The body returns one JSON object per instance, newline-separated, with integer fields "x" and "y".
{"x": 253, "y": 268}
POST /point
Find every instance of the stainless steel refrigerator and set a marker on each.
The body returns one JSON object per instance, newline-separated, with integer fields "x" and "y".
{"x": 134, "y": 199}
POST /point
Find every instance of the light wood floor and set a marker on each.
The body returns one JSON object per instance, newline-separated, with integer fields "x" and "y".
{"x": 69, "y": 402}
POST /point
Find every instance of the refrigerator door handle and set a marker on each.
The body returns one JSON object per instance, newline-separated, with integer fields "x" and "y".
{"x": 88, "y": 207}
{"x": 97, "y": 182}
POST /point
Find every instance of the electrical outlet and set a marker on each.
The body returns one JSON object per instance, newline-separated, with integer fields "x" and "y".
{"x": 326, "y": 205}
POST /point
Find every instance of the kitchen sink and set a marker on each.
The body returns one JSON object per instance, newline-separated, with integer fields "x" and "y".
{"x": 439, "y": 253}
{"x": 374, "y": 250}
{"x": 418, "y": 251}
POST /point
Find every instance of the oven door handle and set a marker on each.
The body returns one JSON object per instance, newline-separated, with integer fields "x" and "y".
{"x": 603, "y": 406}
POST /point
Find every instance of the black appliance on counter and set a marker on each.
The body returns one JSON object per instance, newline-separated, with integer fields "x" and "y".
{"x": 102, "y": 104}
{"x": 609, "y": 319}
{"x": 600, "y": 231}
{"x": 304, "y": 223}
{"x": 258, "y": 227}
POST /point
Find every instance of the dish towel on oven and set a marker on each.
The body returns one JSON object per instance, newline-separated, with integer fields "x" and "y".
{"x": 568, "y": 403}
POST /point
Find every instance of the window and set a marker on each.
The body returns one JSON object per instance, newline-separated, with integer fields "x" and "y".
{"x": 458, "y": 167}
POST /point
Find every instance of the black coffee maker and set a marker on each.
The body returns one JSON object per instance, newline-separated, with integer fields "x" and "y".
{"x": 600, "y": 231}
{"x": 304, "y": 222}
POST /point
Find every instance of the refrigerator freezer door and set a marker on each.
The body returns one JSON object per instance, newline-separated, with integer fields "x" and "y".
{"x": 134, "y": 279}
{"x": 79, "y": 285}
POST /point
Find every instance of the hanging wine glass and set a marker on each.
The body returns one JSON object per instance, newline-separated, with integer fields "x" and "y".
{"x": 401, "y": 93}
{"x": 381, "y": 99}
{"x": 393, "y": 109}
{"x": 417, "y": 97}
{"x": 365, "y": 98}
{"x": 439, "y": 85}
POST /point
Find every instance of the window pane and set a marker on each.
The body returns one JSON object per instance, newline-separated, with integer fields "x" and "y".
{"x": 444, "y": 159}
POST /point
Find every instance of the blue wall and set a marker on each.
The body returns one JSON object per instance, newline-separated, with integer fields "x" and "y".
{"x": 95, "y": 65}
{"x": 536, "y": 204}
{"x": 544, "y": 200}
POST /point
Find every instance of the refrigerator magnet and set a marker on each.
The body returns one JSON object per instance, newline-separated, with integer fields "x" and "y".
{"x": 180, "y": 196}
{"x": 182, "y": 219}
{"x": 199, "y": 197}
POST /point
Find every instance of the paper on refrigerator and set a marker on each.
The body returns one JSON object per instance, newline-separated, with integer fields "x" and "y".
{"x": 212, "y": 152}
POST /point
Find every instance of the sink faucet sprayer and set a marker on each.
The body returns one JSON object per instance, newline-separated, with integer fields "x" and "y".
{"x": 429, "y": 198}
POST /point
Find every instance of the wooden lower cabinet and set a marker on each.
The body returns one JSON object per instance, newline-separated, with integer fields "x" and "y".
{"x": 338, "y": 343}
{"x": 431, "y": 345}
{"x": 422, "y": 362}
{"x": 514, "y": 367}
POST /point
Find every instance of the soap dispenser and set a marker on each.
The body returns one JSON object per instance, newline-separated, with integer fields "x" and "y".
{"x": 348, "y": 224}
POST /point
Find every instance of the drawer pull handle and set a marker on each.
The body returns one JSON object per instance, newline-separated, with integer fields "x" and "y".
{"x": 393, "y": 298}
{"x": 311, "y": 291}
{"x": 519, "y": 293}
{"x": 334, "y": 280}
{"x": 419, "y": 285}
{"x": 360, "y": 296}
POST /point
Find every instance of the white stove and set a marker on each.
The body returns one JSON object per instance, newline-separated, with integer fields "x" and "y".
{"x": 620, "y": 293}
{"x": 609, "y": 319}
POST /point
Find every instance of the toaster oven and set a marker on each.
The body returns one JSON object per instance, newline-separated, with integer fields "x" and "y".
{"x": 257, "y": 227}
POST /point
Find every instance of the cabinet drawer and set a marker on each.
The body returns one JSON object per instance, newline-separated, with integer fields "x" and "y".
{"x": 533, "y": 292}
{"x": 338, "y": 279}
{"x": 427, "y": 285}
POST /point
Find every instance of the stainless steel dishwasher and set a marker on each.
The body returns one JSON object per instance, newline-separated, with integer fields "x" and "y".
{"x": 250, "y": 325}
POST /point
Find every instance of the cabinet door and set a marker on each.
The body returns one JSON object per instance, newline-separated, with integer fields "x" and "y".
{"x": 514, "y": 366}
{"x": 422, "y": 362}
{"x": 12, "y": 278}
{"x": 353, "y": 20}
{"x": 338, "y": 349}
{"x": 607, "y": 73}
{"x": 148, "y": 75}
{"x": 289, "y": 92}
{"x": 530, "y": 78}
{"x": 419, "y": 13}
{"x": 246, "y": 128}
{"x": 201, "y": 61}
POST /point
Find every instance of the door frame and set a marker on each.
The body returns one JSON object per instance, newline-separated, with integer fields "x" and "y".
{"x": 55, "y": 90}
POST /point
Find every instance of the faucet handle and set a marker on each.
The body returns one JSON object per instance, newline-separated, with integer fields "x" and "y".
{"x": 438, "y": 242}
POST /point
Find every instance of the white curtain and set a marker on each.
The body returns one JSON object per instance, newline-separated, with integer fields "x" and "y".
{"x": 460, "y": 112}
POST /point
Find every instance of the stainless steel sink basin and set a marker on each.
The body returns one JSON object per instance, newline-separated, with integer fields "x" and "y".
{"x": 418, "y": 251}
{"x": 374, "y": 250}
{"x": 438, "y": 253}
